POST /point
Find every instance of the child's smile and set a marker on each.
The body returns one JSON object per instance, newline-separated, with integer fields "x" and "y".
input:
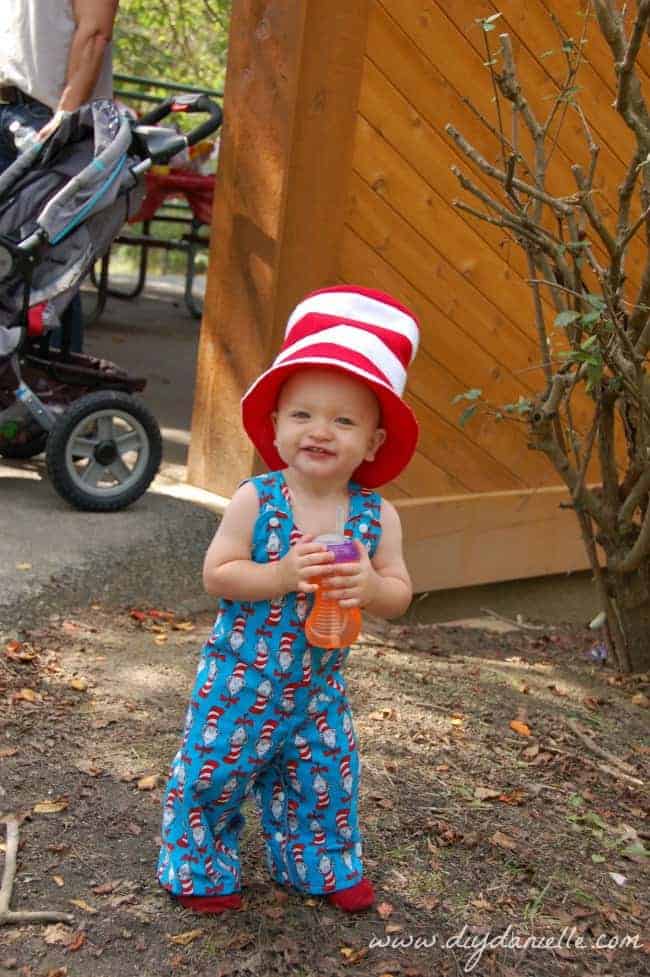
{"x": 326, "y": 423}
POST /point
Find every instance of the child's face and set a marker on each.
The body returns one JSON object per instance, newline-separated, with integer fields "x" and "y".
{"x": 326, "y": 423}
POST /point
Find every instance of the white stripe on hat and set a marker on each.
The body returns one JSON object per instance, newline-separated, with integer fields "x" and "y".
{"x": 362, "y": 308}
{"x": 359, "y": 341}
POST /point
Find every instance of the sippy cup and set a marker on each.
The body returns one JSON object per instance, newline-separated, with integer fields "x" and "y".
{"x": 329, "y": 625}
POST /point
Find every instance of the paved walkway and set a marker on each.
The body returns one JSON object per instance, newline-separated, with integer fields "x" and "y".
{"x": 52, "y": 556}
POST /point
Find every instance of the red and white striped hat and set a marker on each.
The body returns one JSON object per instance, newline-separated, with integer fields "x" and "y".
{"x": 358, "y": 331}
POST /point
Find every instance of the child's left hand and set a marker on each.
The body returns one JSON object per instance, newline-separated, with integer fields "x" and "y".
{"x": 352, "y": 584}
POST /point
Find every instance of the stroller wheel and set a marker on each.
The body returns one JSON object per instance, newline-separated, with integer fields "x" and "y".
{"x": 28, "y": 450}
{"x": 104, "y": 451}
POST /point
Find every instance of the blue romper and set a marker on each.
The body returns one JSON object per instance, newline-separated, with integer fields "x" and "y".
{"x": 268, "y": 714}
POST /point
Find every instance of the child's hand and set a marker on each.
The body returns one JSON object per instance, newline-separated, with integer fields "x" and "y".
{"x": 302, "y": 565}
{"x": 352, "y": 584}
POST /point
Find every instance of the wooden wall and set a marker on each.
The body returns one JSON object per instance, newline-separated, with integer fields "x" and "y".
{"x": 462, "y": 277}
{"x": 335, "y": 166}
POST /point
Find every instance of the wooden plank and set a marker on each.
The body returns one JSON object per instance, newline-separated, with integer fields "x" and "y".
{"x": 443, "y": 444}
{"x": 434, "y": 33}
{"x": 430, "y": 215}
{"x": 292, "y": 82}
{"x": 468, "y": 540}
{"x": 439, "y": 373}
{"x": 422, "y": 472}
{"x": 431, "y": 154}
{"x": 597, "y": 51}
{"x": 533, "y": 33}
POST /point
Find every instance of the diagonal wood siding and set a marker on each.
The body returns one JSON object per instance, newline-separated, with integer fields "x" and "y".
{"x": 464, "y": 280}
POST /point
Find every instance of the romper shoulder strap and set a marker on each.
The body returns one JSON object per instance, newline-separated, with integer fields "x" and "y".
{"x": 365, "y": 516}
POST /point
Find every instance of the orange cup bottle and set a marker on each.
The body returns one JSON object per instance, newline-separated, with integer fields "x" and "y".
{"x": 329, "y": 625}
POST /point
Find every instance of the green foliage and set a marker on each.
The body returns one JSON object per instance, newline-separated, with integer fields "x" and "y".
{"x": 487, "y": 23}
{"x": 474, "y": 394}
{"x": 185, "y": 41}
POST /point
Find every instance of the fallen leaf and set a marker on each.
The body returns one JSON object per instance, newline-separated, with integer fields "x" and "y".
{"x": 352, "y": 956}
{"x": 18, "y": 652}
{"x": 485, "y": 793}
{"x": 636, "y": 852}
{"x": 161, "y": 615}
{"x": 380, "y": 714}
{"x": 618, "y": 878}
{"x": 88, "y": 767}
{"x": 274, "y": 912}
{"x": 57, "y": 933}
{"x": 78, "y": 684}
{"x": 148, "y": 783}
{"x": 513, "y": 797}
{"x": 59, "y": 880}
{"x": 385, "y": 910}
{"x": 183, "y": 626}
{"x": 77, "y": 942}
{"x": 393, "y": 928}
{"x": 51, "y": 807}
{"x": 503, "y": 840}
{"x": 521, "y": 728}
{"x": 311, "y": 902}
{"x": 160, "y": 639}
{"x": 184, "y": 939}
{"x": 81, "y": 904}
{"x": 23, "y": 566}
{"x": 10, "y": 751}
{"x": 106, "y": 888}
{"x": 592, "y": 702}
{"x": 58, "y": 972}
{"x": 531, "y": 751}
{"x": 641, "y": 699}
{"x": 26, "y": 695}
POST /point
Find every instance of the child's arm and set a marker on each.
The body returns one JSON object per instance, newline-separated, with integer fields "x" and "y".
{"x": 381, "y": 586}
{"x": 229, "y": 572}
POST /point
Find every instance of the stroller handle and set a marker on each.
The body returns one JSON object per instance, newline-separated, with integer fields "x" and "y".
{"x": 187, "y": 102}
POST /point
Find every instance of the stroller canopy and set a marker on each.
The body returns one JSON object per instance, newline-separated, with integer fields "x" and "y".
{"x": 75, "y": 191}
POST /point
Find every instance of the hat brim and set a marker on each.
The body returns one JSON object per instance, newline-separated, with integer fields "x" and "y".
{"x": 397, "y": 419}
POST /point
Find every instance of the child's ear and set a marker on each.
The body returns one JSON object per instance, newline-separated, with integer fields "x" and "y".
{"x": 376, "y": 442}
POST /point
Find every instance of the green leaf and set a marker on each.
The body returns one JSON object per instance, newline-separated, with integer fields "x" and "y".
{"x": 474, "y": 394}
{"x": 576, "y": 800}
{"x": 589, "y": 343}
{"x": 566, "y": 318}
{"x": 594, "y": 820}
{"x": 598, "y": 858}
{"x": 636, "y": 851}
{"x": 596, "y": 301}
{"x": 467, "y": 415}
{"x": 589, "y": 318}
{"x": 487, "y": 23}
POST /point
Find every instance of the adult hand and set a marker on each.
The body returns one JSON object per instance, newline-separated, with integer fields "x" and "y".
{"x": 353, "y": 584}
{"x": 302, "y": 565}
{"x": 50, "y": 126}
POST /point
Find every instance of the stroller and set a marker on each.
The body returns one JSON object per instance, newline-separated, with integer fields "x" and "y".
{"x": 62, "y": 203}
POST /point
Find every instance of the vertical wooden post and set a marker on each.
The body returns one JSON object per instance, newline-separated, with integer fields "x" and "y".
{"x": 292, "y": 88}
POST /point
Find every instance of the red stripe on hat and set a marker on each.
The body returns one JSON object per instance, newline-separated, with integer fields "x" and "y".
{"x": 340, "y": 357}
{"x": 314, "y": 322}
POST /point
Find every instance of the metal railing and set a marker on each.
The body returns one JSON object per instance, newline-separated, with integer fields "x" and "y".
{"x": 161, "y": 83}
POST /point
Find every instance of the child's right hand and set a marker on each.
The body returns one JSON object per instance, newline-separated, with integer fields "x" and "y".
{"x": 302, "y": 565}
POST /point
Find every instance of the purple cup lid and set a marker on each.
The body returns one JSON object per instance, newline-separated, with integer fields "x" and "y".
{"x": 342, "y": 547}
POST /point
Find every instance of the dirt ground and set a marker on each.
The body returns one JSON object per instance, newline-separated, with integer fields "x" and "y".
{"x": 505, "y": 808}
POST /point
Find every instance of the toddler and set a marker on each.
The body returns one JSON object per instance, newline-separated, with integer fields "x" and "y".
{"x": 269, "y": 712}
